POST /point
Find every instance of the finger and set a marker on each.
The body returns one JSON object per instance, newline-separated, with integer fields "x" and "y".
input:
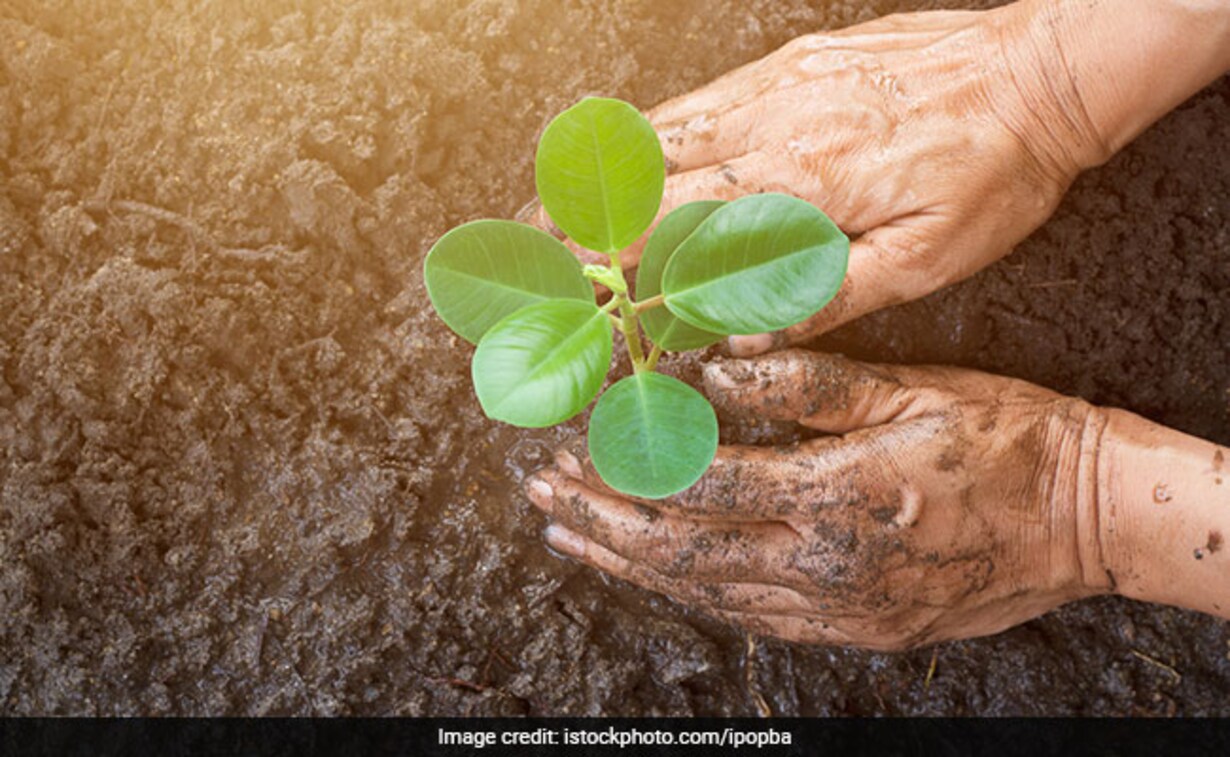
{"x": 732, "y": 468}
{"x": 740, "y": 469}
{"x": 820, "y": 479}
{"x": 836, "y": 395}
{"x": 708, "y": 138}
{"x": 573, "y": 460}
{"x": 888, "y": 265}
{"x": 800, "y": 630}
{"x": 765, "y": 609}
{"x": 742, "y": 484}
{"x": 713, "y": 97}
{"x": 720, "y": 96}
{"x": 673, "y": 546}
{"x": 742, "y": 596}
{"x": 774, "y": 483}
{"x": 822, "y": 391}
{"x": 896, "y": 32}
{"x": 819, "y": 630}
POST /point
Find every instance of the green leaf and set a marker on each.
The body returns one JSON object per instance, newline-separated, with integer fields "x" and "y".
{"x": 652, "y": 436}
{"x": 543, "y": 364}
{"x": 481, "y": 272}
{"x": 757, "y": 264}
{"x": 664, "y": 327}
{"x": 600, "y": 173}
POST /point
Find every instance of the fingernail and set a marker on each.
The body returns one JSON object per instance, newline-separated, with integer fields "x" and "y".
{"x": 568, "y": 463}
{"x": 746, "y": 346}
{"x": 539, "y": 492}
{"x": 563, "y": 540}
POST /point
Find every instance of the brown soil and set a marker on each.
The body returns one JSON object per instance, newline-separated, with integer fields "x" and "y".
{"x": 241, "y": 467}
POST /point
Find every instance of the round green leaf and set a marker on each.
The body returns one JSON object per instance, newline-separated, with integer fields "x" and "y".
{"x": 481, "y": 272}
{"x": 600, "y": 173}
{"x": 652, "y": 436}
{"x": 664, "y": 327}
{"x": 543, "y": 364}
{"x": 757, "y": 264}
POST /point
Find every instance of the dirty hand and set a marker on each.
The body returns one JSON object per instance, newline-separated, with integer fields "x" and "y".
{"x": 946, "y": 504}
{"x": 908, "y": 131}
{"x": 940, "y": 140}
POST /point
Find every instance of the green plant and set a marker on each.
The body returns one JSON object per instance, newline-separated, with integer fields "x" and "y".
{"x": 710, "y": 269}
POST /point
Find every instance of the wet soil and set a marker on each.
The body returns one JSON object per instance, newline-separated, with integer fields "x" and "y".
{"x": 241, "y": 467}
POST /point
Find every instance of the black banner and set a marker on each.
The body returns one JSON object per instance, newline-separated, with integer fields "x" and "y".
{"x": 579, "y": 736}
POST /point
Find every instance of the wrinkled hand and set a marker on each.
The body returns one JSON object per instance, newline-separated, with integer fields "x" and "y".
{"x": 946, "y": 504}
{"x": 934, "y": 136}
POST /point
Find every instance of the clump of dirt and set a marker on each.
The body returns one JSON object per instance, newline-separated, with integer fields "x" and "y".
{"x": 241, "y": 467}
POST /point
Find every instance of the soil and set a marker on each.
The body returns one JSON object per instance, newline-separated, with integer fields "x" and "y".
{"x": 241, "y": 467}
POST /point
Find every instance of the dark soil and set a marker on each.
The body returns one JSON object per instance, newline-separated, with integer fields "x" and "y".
{"x": 241, "y": 467}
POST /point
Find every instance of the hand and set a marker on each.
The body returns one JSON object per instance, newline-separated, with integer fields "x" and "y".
{"x": 947, "y": 504}
{"x": 929, "y": 135}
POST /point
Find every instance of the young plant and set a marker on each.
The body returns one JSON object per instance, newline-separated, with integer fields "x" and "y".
{"x": 710, "y": 269}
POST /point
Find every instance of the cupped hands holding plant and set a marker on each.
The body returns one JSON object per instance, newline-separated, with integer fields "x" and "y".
{"x": 710, "y": 269}
{"x": 943, "y": 503}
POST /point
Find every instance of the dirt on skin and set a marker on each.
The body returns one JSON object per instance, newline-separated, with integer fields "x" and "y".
{"x": 241, "y": 467}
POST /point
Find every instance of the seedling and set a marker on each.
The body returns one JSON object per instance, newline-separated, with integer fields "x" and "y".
{"x": 710, "y": 269}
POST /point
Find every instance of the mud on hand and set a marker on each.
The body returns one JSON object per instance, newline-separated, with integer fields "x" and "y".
{"x": 943, "y": 504}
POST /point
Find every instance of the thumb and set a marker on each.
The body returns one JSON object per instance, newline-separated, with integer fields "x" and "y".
{"x": 883, "y": 271}
{"x": 826, "y": 392}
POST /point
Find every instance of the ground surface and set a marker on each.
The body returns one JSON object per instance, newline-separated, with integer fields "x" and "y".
{"x": 241, "y": 469}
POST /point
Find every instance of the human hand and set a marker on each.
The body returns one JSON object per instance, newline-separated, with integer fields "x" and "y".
{"x": 947, "y": 504}
{"x": 935, "y": 136}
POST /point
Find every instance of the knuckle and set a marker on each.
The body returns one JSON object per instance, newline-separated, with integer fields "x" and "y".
{"x": 666, "y": 554}
{"x": 805, "y": 43}
{"x": 576, "y": 510}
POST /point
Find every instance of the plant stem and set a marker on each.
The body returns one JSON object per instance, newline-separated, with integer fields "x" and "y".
{"x": 650, "y": 303}
{"x": 629, "y": 324}
{"x": 651, "y": 362}
{"x": 632, "y": 335}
